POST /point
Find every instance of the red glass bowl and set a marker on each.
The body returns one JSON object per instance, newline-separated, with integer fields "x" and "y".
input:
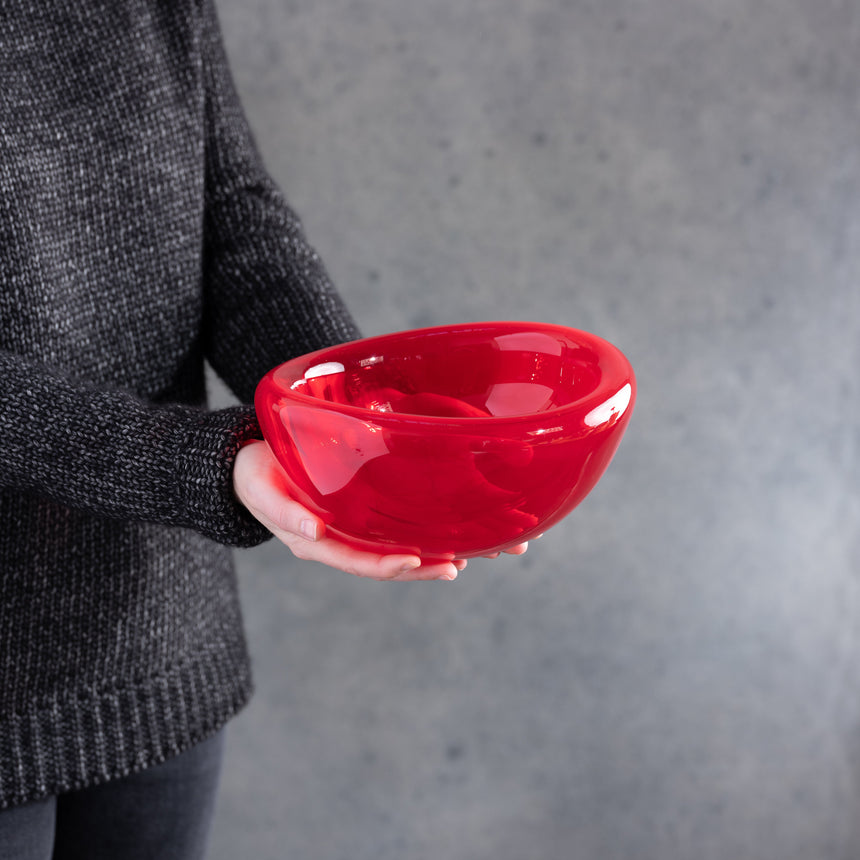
{"x": 455, "y": 441}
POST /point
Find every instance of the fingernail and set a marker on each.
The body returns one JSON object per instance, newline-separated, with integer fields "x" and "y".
{"x": 409, "y": 566}
{"x": 449, "y": 577}
{"x": 309, "y": 529}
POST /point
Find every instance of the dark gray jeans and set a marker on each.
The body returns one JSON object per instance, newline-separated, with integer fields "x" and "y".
{"x": 163, "y": 812}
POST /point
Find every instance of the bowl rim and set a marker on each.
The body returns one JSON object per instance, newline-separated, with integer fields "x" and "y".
{"x": 617, "y": 372}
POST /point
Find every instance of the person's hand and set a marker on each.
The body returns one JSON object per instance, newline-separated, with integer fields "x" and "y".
{"x": 260, "y": 486}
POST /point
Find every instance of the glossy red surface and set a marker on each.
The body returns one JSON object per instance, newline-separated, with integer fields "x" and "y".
{"x": 452, "y": 441}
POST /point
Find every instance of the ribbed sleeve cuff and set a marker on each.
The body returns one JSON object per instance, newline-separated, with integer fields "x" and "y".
{"x": 205, "y": 454}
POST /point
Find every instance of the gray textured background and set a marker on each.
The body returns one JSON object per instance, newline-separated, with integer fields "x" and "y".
{"x": 674, "y": 671}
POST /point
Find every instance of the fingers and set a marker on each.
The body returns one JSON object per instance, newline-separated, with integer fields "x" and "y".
{"x": 383, "y": 568}
{"x": 519, "y": 549}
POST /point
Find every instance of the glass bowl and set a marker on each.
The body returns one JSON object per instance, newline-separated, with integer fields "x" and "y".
{"x": 455, "y": 441}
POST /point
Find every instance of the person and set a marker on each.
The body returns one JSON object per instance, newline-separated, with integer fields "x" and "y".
{"x": 140, "y": 236}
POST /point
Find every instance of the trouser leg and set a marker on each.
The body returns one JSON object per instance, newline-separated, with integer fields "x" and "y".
{"x": 162, "y": 813}
{"x": 27, "y": 832}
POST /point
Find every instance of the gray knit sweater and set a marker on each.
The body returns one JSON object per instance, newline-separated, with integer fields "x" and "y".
{"x": 139, "y": 236}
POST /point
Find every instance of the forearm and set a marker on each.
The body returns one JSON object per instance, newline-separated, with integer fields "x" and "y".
{"x": 112, "y": 454}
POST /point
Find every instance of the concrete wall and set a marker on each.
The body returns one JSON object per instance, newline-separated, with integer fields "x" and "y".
{"x": 674, "y": 671}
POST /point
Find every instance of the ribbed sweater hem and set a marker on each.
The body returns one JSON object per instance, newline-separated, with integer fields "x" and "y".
{"x": 127, "y": 728}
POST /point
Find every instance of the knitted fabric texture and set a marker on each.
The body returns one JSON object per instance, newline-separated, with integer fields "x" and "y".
{"x": 139, "y": 237}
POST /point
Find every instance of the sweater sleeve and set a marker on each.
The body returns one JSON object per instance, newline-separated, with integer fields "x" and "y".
{"x": 114, "y": 455}
{"x": 268, "y": 296}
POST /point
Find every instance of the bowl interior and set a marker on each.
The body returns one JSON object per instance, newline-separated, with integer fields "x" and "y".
{"x": 458, "y": 372}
